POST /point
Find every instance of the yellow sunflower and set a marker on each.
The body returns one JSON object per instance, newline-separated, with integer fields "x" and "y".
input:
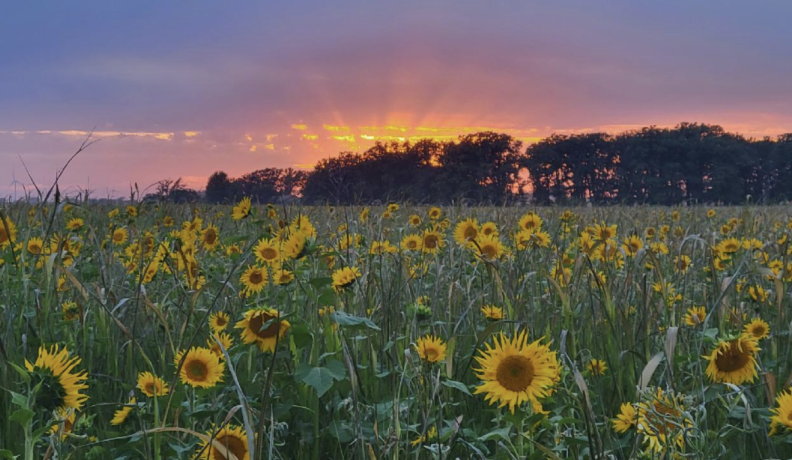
{"x": 757, "y": 328}
{"x": 364, "y": 215}
{"x": 267, "y": 251}
{"x": 60, "y": 385}
{"x": 35, "y": 246}
{"x": 232, "y": 439}
{"x": 294, "y": 246}
{"x": 64, "y": 423}
{"x": 489, "y": 228}
{"x": 632, "y": 245}
{"x": 415, "y": 220}
{"x": 210, "y": 238}
{"x": 435, "y": 213}
{"x": 151, "y": 385}
{"x": 514, "y": 372}
{"x": 782, "y": 420}
{"x": 70, "y": 311}
{"x": 661, "y": 420}
{"x": 626, "y": 419}
{"x": 254, "y": 279}
{"x": 431, "y": 434}
{"x": 242, "y": 209}
{"x": 596, "y": 367}
{"x": 224, "y": 338}
{"x": 466, "y": 230}
{"x": 733, "y": 361}
{"x": 530, "y": 221}
{"x": 119, "y": 236}
{"x": 121, "y": 414}
{"x": 202, "y": 368}
{"x": 432, "y": 241}
{"x": 281, "y": 276}
{"x": 431, "y": 349}
{"x": 489, "y": 247}
{"x": 411, "y": 243}
{"x": 267, "y": 337}
{"x": 695, "y": 316}
{"x": 345, "y": 277}
{"x": 218, "y": 321}
{"x": 382, "y": 247}
{"x": 8, "y": 233}
{"x": 492, "y": 312}
{"x": 75, "y": 224}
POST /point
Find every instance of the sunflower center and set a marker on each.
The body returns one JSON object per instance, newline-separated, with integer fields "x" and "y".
{"x": 489, "y": 251}
{"x": 515, "y": 373}
{"x": 430, "y": 241}
{"x": 259, "y": 320}
{"x": 3, "y": 235}
{"x": 733, "y": 359}
{"x": 255, "y": 277}
{"x": 197, "y": 370}
{"x": 269, "y": 254}
{"x": 211, "y": 237}
{"x": 231, "y": 444}
{"x": 221, "y": 321}
{"x": 758, "y": 330}
{"x": 412, "y": 245}
{"x": 431, "y": 354}
{"x": 470, "y": 233}
{"x": 34, "y": 248}
{"x": 151, "y": 389}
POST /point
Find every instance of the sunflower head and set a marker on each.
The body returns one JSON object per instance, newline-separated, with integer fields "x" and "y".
{"x": 202, "y": 368}
{"x": 218, "y": 321}
{"x": 492, "y": 312}
{"x": 232, "y": 439}
{"x": 432, "y": 241}
{"x": 757, "y": 328}
{"x": 263, "y": 327}
{"x": 695, "y": 316}
{"x": 224, "y": 339}
{"x": 151, "y": 385}
{"x": 782, "y": 413}
{"x": 254, "y": 279}
{"x": 466, "y": 231}
{"x": 59, "y": 386}
{"x": 345, "y": 277}
{"x": 121, "y": 414}
{"x": 626, "y": 419}
{"x": 431, "y": 349}
{"x": 242, "y": 209}
{"x": 733, "y": 361}
{"x": 514, "y": 372}
{"x": 662, "y": 420}
{"x": 596, "y": 367}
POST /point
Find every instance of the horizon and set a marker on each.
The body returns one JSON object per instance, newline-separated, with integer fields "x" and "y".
{"x": 280, "y": 86}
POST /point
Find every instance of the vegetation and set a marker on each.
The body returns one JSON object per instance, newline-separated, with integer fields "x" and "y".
{"x": 159, "y": 330}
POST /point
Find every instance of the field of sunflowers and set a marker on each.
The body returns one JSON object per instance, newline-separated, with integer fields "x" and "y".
{"x": 250, "y": 331}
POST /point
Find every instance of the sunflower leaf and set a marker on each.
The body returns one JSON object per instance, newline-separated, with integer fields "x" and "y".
{"x": 457, "y": 385}
{"x": 22, "y": 416}
{"x": 320, "y": 378}
{"x": 345, "y": 320}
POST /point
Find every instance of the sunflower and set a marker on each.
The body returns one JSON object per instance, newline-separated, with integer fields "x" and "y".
{"x": 492, "y": 312}
{"x": 242, "y": 209}
{"x": 435, "y": 213}
{"x": 60, "y": 385}
{"x": 281, "y": 276}
{"x": 432, "y": 241}
{"x": 733, "y": 361}
{"x": 210, "y": 238}
{"x": 151, "y": 385}
{"x": 70, "y": 311}
{"x": 121, "y": 414}
{"x": 7, "y": 233}
{"x": 466, "y": 230}
{"x": 530, "y": 221}
{"x": 695, "y": 316}
{"x": 431, "y": 434}
{"x": 218, "y": 321}
{"x": 232, "y": 439}
{"x": 632, "y": 245}
{"x": 382, "y": 247}
{"x": 131, "y": 211}
{"x": 254, "y": 279}
{"x": 119, "y": 236}
{"x": 604, "y": 232}
{"x": 267, "y": 251}
{"x": 233, "y": 249}
{"x": 596, "y": 367}
{"x": 411, "y": 243}
{"x": 224, "y": 338}
{"x": 345, "y": 277}
{"x": 489, "y": 247}
{"x": 431, "y": 349}
{"x": 626, "y": 419}
{"x": 682, "y": 263}
{"x": 294, "y": 246}
{"x": 489, "y": 228}
{"x": 364, "y": 215}
{"x": 202, "y": 368}
{"x": 661, "y": 420}
{"x": 253, "y": 322}
{"x": 303, "y": 225}
{"x": 514, "y": 371}
{"x": 35, "y": 246}
{"x": 168, "y": 221}
{"x": 64, "y": 422}
{"x": 415, "y": 220}
{"x": 757, "y": 328}
{"x": 783, "y": 412}
{"x": 75, "y": 224}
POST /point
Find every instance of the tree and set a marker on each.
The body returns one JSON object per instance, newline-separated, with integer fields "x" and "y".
{"x": 219, "y": 188}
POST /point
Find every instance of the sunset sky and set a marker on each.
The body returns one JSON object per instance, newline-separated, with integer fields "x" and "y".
{"x": 182, "y": 89}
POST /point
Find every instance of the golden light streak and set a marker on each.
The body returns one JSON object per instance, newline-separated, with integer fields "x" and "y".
{"x": 335, "y": 128}
{"x": 299, "y": 126}
{"x": 310, "y": 137}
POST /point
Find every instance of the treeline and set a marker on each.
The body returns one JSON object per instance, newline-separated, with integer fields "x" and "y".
{"x": 694, "y": 163}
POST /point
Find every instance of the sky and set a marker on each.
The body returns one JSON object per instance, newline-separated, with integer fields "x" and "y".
{"x": 183, "y": 89}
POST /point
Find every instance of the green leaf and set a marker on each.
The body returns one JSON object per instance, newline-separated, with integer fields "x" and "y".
{"x": 502, "y": 433}
{"x": 22, "y": 416}
{"x": 18, "y": 399}
{"x": 22, "y": 372}
{"x": 320, "y": 378}
{"x": 6, "y": 454}
{"x": 336, "y": 368}
{"x": 457, "y": 385}
{"x": 321, "y": 281}
{"x": 346, "y": 320}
